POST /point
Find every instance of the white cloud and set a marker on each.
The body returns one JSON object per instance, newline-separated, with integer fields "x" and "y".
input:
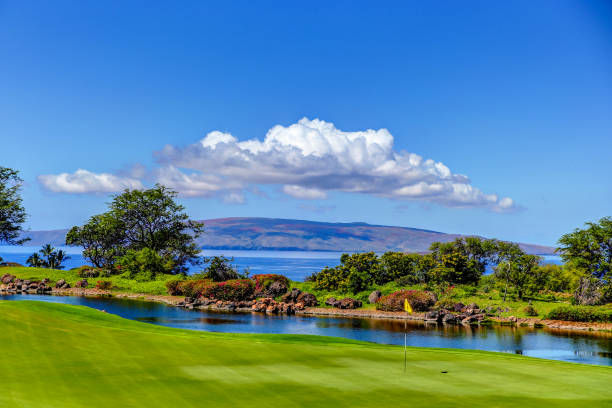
{"x": 311, "y": 158}
{"x": 83, "y": 182}
{"x": 304, "y": 193}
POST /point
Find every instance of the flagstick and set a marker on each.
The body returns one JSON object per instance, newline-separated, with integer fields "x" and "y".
{"x": 405, "y": 323}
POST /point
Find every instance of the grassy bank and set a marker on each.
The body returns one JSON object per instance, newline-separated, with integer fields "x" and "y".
{"x": 57, "y": 355}
{"x": 120, "y": 284}
{"x": 484, "y": 298}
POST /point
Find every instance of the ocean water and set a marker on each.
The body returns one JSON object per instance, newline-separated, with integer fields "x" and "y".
{"x": 296, "y": 265}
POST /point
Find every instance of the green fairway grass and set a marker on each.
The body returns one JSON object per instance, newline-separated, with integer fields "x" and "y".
{"x": 56, "y": 355}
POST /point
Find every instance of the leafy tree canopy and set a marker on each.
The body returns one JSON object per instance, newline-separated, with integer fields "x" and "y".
{"x": 220, "y": 269}
{"x": 12, "y": 213}
{"x": 139, "y": 220}
{"x": 590, "y": 248}
{"x": 463, "y": 260}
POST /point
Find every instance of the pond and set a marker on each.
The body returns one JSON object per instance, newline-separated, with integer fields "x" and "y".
{"x": 589, "y": 347}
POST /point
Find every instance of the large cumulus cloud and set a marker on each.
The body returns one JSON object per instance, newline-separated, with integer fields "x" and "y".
{"x": 312, "y": 157}
{"x": 307, "y": 160}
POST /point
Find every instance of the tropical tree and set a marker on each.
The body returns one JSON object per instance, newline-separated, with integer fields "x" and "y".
{"x": 516, "y": 268}
{"x": 101, "y": 238}
{"x": 35, "y": 261}
{"x": 47, "y": 251}
{"x": 137, "y": 220}
{"x": 590, "y": 249}
{"x": 396, "y": 265}
{"x": 48, "y": 257}
{"x": 58, "y": 258}
{"x": 463, "y": 260}
{"x": 507, "y": 254}
{"x": 12, "y": 213}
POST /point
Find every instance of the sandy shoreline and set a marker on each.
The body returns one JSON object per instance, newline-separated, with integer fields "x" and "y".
{"x": 356, "y": 313}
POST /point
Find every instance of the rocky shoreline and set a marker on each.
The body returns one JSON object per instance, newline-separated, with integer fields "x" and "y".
{"x": 304, "y": 304}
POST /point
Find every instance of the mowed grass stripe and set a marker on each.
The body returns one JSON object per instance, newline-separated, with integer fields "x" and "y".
{"x": 58, "y": 355}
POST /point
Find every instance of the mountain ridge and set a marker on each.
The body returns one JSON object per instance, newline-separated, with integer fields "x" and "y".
{"x": 258, "y": 233}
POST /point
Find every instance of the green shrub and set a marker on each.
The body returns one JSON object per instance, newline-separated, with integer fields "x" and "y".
{"x": 530, "y": 311}
{"x": 419, "y": 300}
{"x": 445, "y": 303}
{"x": 469, "y": 290}
{"x": 581, "y": 314}
{"x": 407, "y": 280}
{"x": 87, "y": 271}
{"x": 143, "y": 265}
{"x": 235, "y": 290}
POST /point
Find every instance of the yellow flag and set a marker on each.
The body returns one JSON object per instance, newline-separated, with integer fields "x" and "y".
{"x": 407, "y": 306}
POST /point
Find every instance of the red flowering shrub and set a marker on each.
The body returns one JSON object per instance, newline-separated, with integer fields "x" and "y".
{"x": 173, "y": 287}
{"x": 235, "y": 290}
{"x": 192, "y": 288}
{"x": 263, "y": 281}
{"x": 104, "y": 285}
{"x": 419, "y": 300}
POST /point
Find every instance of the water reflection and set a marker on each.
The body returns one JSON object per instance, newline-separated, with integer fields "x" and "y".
{"x": 583, "y": 347}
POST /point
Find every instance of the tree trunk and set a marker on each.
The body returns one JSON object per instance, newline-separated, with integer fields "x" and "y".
{"x": 506, "y": 291}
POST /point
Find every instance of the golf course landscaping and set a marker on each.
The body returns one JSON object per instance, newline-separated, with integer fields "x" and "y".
{"x": 57, "y": 355}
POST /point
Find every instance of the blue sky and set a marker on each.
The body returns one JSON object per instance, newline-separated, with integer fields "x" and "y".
{"x": 507, "y": 99}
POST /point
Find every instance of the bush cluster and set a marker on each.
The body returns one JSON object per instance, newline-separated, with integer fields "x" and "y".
{"x": 174, "y": 287}
{"x": 263, "y": 281}
{"x": 192, "y": 288}
{"x": 420, "y": 301}
{"x": 361, "y": 271}
{"x": 104, "y": 285}
{"x": 530, "y": 311}
{"x": 581, "y": 314}
{"x": 144, "y": 265}
{"x": 234, "y": 290}
{"x": 87, "y": 271}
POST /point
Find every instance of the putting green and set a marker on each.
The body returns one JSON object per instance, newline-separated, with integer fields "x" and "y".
{"x": 56, "y": 355}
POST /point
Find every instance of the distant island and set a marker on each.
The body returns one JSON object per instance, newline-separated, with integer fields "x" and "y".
{"x": 254, "y": 233}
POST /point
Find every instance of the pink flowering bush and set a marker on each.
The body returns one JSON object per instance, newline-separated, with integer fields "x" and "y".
{"x": 234, "y": 290}
{"x": 420, "y": 301}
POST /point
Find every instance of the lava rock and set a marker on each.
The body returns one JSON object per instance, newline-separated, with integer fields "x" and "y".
{"x": 7, "y": 278}
{"x": 292, "y": 296}
{"x": 331, "y": 302}
{"x": 308, "y": 299}
{"x": 61, "y": 284}
{"x": 433, "y": 316}
{"x": 276, "y": 288}
{"x": 449, "y": 318}
{"x": 374, "y": 296}
{"x": 81, "y": 284}
{"x": 348, "y": 303}
{"x": 458, "y": 307}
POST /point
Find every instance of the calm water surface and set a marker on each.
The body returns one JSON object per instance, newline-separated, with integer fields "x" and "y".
{"x": 296, "y": 265}
{"x": 590, "y": 348}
